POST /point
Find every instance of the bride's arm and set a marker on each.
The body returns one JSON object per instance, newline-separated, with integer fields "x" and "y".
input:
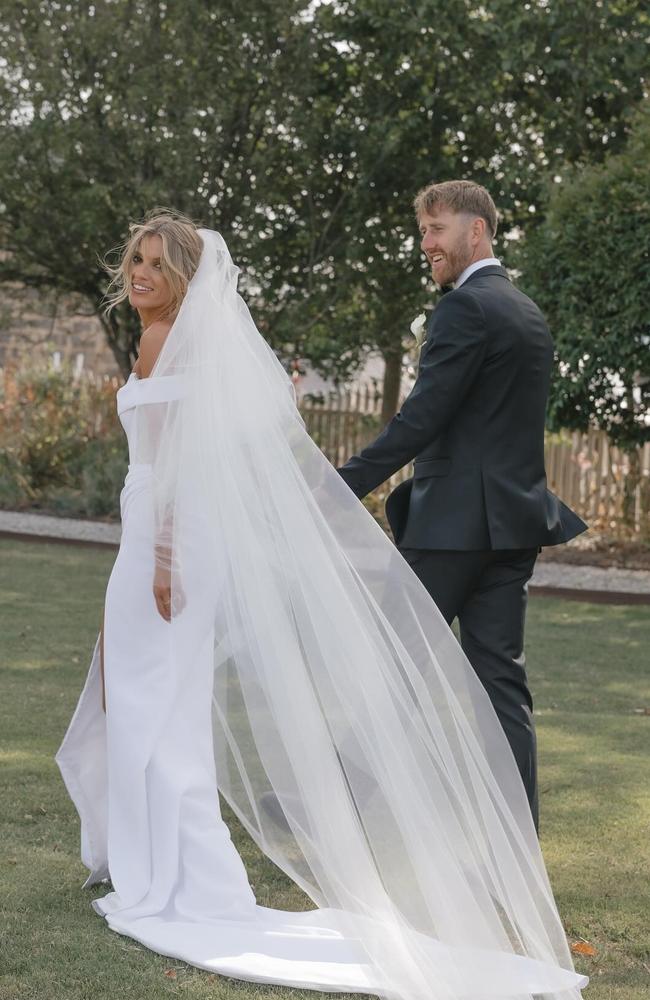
{"x": 101, "y": 660}
{"x": 151, "y": 344}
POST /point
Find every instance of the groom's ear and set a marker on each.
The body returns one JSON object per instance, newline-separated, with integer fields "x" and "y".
{"x": 478, "y": 230}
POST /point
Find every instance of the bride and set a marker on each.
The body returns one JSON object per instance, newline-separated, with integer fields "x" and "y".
{"x": 263, "y": 637}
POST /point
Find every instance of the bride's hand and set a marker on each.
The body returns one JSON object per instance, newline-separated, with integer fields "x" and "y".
{"x": 168, "y": 596}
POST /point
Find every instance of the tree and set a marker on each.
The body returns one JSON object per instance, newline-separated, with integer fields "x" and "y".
{"x": 588, "y": 267}
{"x": 302, "y": 132}
{"x": 501, "y": 93}
{"x": 111, "y": 108}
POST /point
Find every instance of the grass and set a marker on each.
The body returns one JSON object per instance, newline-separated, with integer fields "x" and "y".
{"x": 588, "y": 666}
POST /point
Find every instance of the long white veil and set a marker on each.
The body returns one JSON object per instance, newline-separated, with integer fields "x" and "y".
{"x": 352, "y": 737}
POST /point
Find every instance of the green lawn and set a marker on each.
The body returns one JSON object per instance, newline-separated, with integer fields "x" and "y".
{"x": 590, "y": 675}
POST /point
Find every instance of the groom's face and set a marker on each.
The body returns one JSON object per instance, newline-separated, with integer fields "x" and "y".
{"x": 446, "y": 244}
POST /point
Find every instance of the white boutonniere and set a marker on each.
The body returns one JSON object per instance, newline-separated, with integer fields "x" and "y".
{"x": 418, "y": 329}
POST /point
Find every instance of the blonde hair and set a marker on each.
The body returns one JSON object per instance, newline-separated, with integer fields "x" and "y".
{"x": 181, "y": 252}
{"x": 460, "y": 197}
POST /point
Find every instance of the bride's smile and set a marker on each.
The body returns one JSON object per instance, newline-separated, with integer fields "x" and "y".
{"x": 149, "y": 289}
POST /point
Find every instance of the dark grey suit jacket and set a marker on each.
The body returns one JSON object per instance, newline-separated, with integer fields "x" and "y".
{"x": 474, "y": 423}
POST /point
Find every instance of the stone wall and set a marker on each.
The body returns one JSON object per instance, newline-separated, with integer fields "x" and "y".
{"x": 37, "y": 326}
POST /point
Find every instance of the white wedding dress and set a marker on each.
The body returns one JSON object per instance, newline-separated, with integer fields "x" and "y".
{"x": 309, "y": 664}
{"x": 142, "y": 777}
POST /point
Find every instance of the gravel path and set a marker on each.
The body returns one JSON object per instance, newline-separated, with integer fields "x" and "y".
{"x": 64, "y": 528}
{"x": 568, "y": 577}
{"x": 547, "y": 574}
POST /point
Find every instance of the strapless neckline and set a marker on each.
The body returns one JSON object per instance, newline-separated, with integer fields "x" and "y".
{"x": 148, "y": 378}
{"x": 150, "y": 390}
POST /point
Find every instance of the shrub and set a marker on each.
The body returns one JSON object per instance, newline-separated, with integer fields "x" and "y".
{"x": 103, "y": 476}
{"x": 62, "y": 448}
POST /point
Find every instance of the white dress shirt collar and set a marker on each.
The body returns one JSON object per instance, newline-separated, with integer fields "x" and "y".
{"x": 487, "y": 261}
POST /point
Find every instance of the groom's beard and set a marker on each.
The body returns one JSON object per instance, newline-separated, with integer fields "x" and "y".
{"x": 456, "y": 259}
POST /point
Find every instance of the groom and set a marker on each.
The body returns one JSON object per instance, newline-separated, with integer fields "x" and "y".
{"x": 472, "y": 519}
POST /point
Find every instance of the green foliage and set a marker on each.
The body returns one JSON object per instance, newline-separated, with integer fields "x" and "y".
{"x": 501, "y": 93}
{"x": 112, "y": 108}
{"x": 302, "y": 132}
{"x": 61, "y": 447}
{"x": 102, "y": 475}
{"x": 588, "y": 266}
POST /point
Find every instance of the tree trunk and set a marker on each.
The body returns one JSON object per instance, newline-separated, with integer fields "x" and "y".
{"x": 392, "y": 383}
{"x": 122, "y": 330}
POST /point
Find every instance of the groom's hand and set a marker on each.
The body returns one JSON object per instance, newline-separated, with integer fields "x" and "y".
{"x": 349, "y": 473}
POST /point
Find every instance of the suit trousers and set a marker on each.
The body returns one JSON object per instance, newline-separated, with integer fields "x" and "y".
{"x": 487, "y": 591}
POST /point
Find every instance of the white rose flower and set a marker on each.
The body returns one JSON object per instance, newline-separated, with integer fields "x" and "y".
{"x": 418, "y": 328}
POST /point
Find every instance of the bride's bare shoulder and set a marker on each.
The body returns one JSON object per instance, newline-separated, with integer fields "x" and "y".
{"x": 151, "y": 343}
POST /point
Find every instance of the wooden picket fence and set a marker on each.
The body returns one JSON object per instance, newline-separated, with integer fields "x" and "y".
{"x": 343, "y": 423}
{"x": 608, "y": 487}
